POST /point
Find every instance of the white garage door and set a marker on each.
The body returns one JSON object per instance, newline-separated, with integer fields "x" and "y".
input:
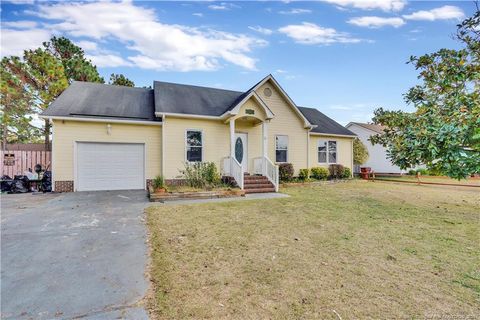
{"x": 110, "y": 166}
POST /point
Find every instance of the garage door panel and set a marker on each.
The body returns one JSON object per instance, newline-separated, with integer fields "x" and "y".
{"x": 110, "y": 166}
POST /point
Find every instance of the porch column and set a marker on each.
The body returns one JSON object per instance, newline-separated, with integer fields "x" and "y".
{"x": 265, "y": 138}
{"x": 232, "y": 138}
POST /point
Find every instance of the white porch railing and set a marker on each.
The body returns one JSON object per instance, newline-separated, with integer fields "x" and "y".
{"x": 234, "y": 169}
{"x": 264, "y": 166}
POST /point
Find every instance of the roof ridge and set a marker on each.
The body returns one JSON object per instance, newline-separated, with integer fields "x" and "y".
{"x": 195, "y": 86}
{"x": 110, "y": 85}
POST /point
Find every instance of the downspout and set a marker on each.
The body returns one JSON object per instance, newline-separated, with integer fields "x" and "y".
{"x": 162, "y": 169}
{"x": 52, "y": 153}
{"x": 308, "y": 149}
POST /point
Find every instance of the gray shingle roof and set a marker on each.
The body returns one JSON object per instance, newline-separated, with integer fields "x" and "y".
{"x": 188, "y": 99}
{"x": 86, "y": 99}
{"x": 324, "y": 124}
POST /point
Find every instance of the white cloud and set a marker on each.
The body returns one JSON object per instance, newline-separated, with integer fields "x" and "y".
{"x": 442, "y": 13}
{"x": 15, "y": 41}
{"x": 280, "y": 71}
{"x": 108, "y": 60}
{"x": 376, "y": 22}
{"x": 261, "y": 30}
{"x": 223, "y": 6}
{"x": 20, "y": 1}
{"x": 295, "y": 11}
{"x": 21, "y": 24}
{"x": 310, "y": 33}
{"x": 155, "y": 45}
{"x": 198, "y": 14}
{"x": 88, "y": 45}
{"x": 385, "y": 5}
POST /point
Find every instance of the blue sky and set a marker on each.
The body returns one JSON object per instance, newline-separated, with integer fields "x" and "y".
{"x": 344, "y": 57}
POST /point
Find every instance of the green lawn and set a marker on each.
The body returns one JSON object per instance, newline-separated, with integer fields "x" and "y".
{"x": 447, "y": 180}
{"x": 364, "y": 249}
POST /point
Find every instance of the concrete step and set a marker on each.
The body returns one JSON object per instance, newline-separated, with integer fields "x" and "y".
{"x": 261, "y": 190}
{"x": 254, "y": 177}
{"x": 254, "y": 181}
{"x": 258, "y": 186}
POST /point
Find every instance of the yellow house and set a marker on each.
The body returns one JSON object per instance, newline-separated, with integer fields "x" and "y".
{"x": 111, "y": 138}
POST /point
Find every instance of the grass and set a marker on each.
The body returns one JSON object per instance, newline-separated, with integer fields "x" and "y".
{"x": 469, "y": 181}
{"x": 364, "y": 249}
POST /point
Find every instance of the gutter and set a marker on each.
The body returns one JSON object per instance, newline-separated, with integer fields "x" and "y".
{"x": 103, "y": 120}
{"x": 332, "y": 135}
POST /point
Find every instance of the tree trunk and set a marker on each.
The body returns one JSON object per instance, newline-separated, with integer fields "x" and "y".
{"x": 4, "y": 138}
{"x": 47, "y": 135}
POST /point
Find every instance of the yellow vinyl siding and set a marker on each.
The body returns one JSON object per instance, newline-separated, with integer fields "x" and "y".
{"x": 215, "y": 140}
{"x": 251, "y": 104}
{"x": 286, "y": 122}
{"x": 344, "y": 150}
{"x": 65, "y": 133}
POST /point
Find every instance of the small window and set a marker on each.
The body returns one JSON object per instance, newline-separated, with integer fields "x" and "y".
{"x": 327, "y": 151}
{"x": 194, "y": 145}
{"x": 281, "y": 148}
{"x": 267, "y": 92}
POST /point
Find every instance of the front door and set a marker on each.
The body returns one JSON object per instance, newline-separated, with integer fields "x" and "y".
{"x": 241, "y": 148}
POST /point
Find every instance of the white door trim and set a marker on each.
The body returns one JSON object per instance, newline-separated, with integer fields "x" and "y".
{"x": 244, "y": 137}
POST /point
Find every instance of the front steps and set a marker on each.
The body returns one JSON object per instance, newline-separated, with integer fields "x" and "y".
{"x": 257, "y": 184}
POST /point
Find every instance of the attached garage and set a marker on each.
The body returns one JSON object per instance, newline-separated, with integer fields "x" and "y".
{"x": 109, "y": 166}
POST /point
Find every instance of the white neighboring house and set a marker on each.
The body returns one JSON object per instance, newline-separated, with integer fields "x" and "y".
{"x": 377, "y": 159}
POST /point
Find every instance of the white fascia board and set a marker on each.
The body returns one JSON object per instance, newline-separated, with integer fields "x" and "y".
{"x": 254, "y": 95}
{"x": 191, "y": 116}
{"x": 307, "y": 123}
{"x": 332, "y": 135}
{"x": 104, "y": 120}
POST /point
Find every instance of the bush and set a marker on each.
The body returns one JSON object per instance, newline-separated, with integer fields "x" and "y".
{"x": 320, "y": 173}
{"x": 285, "y": 171}
{"x": 347, "y": 173}
{"x": 360, "y": 152}
{"x": 423, "y": 172}
{"x": 158, "y": 182}
{"x": 412, "y": 172}
{"x": 304, "y": 174}
{"x": 201, "y": 174}
{"x": 336, "y": 171}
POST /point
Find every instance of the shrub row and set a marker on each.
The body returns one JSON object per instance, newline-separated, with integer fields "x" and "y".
{"x": 334, "y": 171}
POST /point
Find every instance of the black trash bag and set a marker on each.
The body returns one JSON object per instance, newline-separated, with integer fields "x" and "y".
{"x": 47, "y": 181}
{"x": 6, "y": 184}
{"x": 21, "y": 184}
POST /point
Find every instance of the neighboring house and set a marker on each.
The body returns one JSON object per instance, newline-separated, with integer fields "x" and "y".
{"x": 111, "y": 137}
{"x": 377, "y": 159}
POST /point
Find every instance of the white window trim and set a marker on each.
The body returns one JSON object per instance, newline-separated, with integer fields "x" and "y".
{"x": 275, "y": 141}
{"x": 186, "y": 145}
{"x": 327, "y": 151}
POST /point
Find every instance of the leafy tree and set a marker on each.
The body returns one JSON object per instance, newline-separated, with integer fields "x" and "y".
{"x": 76, "y": 66}
{"x": 444, "y": 130}
{"x": 360, "y": 152}
{"x": 121, "y": 80}
{"x": 43, "y": 78}
{"x": 33, "y": 83}
{"x": 16, "y": 111}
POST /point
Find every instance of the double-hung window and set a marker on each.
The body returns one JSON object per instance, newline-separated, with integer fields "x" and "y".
{"x": 327, "y": 151}
{"x": 194, "y": 144}
{"x": 281, "y": 148}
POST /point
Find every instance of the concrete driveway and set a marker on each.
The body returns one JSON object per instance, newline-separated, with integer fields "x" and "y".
{"x": 73, "y": 255}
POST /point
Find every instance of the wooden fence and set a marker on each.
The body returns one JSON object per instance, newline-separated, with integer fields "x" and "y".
{"x": 17, "y": 162}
